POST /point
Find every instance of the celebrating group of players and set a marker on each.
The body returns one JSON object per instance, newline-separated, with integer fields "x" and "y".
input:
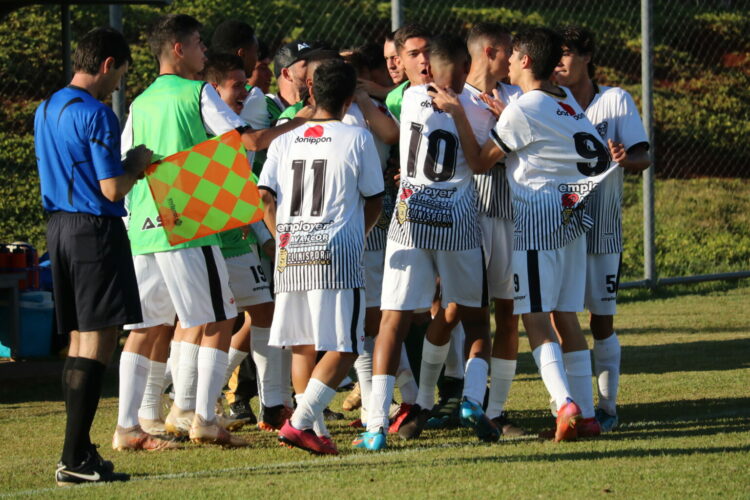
{"x": 404, "y": 186}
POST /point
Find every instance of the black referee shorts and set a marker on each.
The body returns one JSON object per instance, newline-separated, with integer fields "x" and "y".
{"x": 92, "y": 272}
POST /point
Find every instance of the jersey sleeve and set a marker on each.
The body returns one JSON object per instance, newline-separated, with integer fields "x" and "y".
{"x": 104, "y": 141}
{"x": 268, "y": 179}
{"x": 512, "y": 131}
{"x": 630, "y": 129}
{"x": 217, "y": 116}
{"x": 254, "y": 110}
{"x": 370, "y": 179}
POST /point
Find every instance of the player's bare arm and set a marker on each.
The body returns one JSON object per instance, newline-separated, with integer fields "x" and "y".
{"x": 373, "y": 208}
{"x": 258, "y": 140}
{"x": 135, "y": 162}
{"x": 269, "y": 208}
{"x": 381, "y": 125}
{"x": 635, "y": 159}
{"x": 374, "y": 89}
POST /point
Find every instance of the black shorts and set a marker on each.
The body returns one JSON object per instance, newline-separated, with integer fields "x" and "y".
{"x": 92, "y": 272}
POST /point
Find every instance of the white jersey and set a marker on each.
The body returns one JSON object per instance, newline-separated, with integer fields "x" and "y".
{"x": 255, "y": 114}
{"x": 493, "y": 193}
{"x": 555, "y": 159}
{"x": 377, "y": 237}
{"x": 436, "y": 207}
{"x": 615, "y": 116}
{"x": 320, "y": 173}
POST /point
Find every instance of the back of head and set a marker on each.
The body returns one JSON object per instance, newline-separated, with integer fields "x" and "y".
{"x": 288, "y": 54}
{"x": 373, "y": 56}
{"x": 170, "y": 29}
{"x": 232, "y": 35}
{"x": 96, "y": 46}
{"x": 580, "y": 40}
{"x": 487, "y": 33}
{"x": 543, "y": 46}
{"x": 219, "y": 66}
{"x": 448, "y": 48}
{"x": 409, "y": 31}
{"x": 334, "y": 82}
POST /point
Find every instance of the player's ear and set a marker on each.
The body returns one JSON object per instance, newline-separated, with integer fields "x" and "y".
{"x": 107, "y": 65}
{"x": 311, "y": 96}
{"x": 489, "y": 52}
{"x": 285, "y": 74}
{"x": 177, "y": 50}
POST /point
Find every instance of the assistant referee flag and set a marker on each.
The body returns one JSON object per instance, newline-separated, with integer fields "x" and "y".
{"x": 204, "y": 190}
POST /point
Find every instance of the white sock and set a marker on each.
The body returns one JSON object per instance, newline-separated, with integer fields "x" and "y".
{"x": 151, "y": 404}
{"x": 212, "y": 366}
{"x": 454, "y": 363}
{"x": 235, "y": 357}
{"x": 405, "y": 379}
{"x": 133, "y": 376}
{"x": 311, "y": 405}
{"x": 174, "y": 359}
{"x": 433, "y": 358}
{"x": 268, "y": 364}
{"x": 607, "y": 366}
{"x": 286, "y": 376}
{"x": 578, "y": 370}
{"x": 501, "y": 376}
{"x": 549, "y": 360}
{"x": 319, "y": 424}
{"x": 186, "y": 376}
{"x": 167, "y": 374}
{"x": 475, "y": 380}
{"x": 380, "y": 402}
{"x": 363, "y": 365}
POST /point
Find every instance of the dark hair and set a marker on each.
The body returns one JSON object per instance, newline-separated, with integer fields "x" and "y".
{"x": 409, "y": 31}
{"x": 373, "y": 55}
{"x": 492, "y": 32}
{"x": 580, "y": 40}
{"x": 96, "y": 46}
{"x": 543, "y": 46}
{"x": 231, "y": 35}
{"x": 264, "y": 51}
{"x": 449, "y": 48}
{"x": 219, "y": 65}
{"x": 170, "y": 29}
{"x": 390, "y": 36}
{"x": 334, "y": 82}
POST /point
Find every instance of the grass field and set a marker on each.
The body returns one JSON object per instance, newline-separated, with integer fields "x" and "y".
{"x": 685, "y": 431}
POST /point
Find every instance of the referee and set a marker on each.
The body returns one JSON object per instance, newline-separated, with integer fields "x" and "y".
{"x": 83, "y": 182}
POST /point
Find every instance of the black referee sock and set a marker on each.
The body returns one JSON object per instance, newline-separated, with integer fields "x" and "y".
{"x": 84, "y": 390}
{"x": 67, "y": 367}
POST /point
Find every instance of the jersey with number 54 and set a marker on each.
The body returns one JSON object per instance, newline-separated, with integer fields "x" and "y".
{"x": 320, "y": 174}
{"x": 436, "y": 206}
{"x": 555, "y": 159}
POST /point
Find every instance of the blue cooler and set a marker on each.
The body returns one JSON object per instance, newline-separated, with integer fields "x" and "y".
{"x": 36, "y": 313}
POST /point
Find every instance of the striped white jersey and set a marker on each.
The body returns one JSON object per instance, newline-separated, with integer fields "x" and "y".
{"x": 493, "y": 193}
{"x": 615, "y": 116}
{"x": 555, "y": 159}
{"x": 377, "y": 237}
{"x": 436, "y": 207}
{"x": 320, "y": 174}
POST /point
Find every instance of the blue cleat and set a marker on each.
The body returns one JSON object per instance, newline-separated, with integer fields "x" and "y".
{"x": 372, "y": 441}
{"x": 472, "y": 415}
{"x": 606, "y": 421}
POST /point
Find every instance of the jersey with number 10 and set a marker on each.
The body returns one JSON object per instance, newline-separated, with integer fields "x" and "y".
{"x": 321, "y": 173}
{"x": 436, "y": 205}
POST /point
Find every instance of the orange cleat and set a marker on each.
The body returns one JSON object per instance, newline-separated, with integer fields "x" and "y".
{"x": 568, "y": 417}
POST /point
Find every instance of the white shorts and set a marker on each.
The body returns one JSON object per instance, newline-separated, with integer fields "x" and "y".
{"x": 331, "y": 320}
{"x": 550, "y": 280}
{"x": 602, "y": 281}
{"x": 497, "y": 240}
{"x": 191, "y": 283}
{"x": 410, "y": 274}
{"x": 374, "y": 262}
{"x": 248, "y": 280}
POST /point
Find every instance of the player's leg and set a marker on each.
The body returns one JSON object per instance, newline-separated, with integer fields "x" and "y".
{"x": 184, "y": 379}
{"x": 150, "y": 414}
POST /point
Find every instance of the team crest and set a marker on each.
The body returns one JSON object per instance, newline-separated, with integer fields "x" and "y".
{"x": 401, "y": 208}
{"x": 283, "y": 253}
{"x": 602, "y": 129}
{"x": 569, "y": 201}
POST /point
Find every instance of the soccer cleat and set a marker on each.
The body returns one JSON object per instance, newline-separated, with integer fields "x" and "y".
{"x": 568, "y": 417}
{"x": 178, "y": 421}
{"x": 153, "y": 427}
{"x": 329, "y": 414}
{"x": 373, "y": 441}
{"x": 445, "y": 414}
{"x": 398, "y": 419}
{"x": 588, "y": 427}
{"x": 304, "y": 439}
{"x": 414, "y": 422}
{"x": 507, "y": 426}
{"x": 329, "y": 442}
{"x": 472, "y": 415}
{"x": 106, "y": 464}
{"x": 607, "y": 422}
{"x": 134, "y": 438}
{"x": 230, "y": 423}
{"x": 205, "y": 432}
{"x": 353, "y": 400}
{"x": 92, "y": 470}
{"x": 241, "y": 410}
{"x": 272, "y": 418}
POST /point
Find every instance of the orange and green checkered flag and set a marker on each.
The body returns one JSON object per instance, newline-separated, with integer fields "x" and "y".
{"x": 206, "y": 189}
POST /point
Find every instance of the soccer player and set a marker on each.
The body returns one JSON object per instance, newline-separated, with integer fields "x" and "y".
{"x": 615, "y": 116}
{"x": 322, "y": 186}
{"x": 83, "y": 183}
{"x": 290, "y": 70}
{"x": 262, "y": 75}
{"x": 392, "y": 62}
{"x": 412, "y": 44}
{"x": 433, "y": 233}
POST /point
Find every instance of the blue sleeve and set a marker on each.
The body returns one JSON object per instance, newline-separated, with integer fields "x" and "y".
{"x": 104, "y": 143}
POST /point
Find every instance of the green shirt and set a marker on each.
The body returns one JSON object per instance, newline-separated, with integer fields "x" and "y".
{"x": 231, "y": 242}
{"x": 274, "y": 111}
{"x": 394, "y": 98}
{"x": 291, "y": 111}
{"x": 166, "y": 118}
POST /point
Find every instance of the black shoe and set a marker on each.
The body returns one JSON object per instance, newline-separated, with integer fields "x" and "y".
{"x": 92, "y": 470}
{"x": 329, "y": 414}
{"x": 106, "y": 464}
{"x": 450, "y": 388}
{"x": 272, "y": 418}
{"x": 507, "y": 426}
{"x": 241, "y": 410}
{"x": 414, "y": 422}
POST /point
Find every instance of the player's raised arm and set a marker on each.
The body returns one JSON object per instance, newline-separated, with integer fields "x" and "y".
{"x": 381, "y": 124}
{"x": 635, "y": 159}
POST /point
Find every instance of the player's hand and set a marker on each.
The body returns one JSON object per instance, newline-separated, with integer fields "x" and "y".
{"x": 245, "y": 231}
{"x": 494, "y": 102}
{"x": 617, "y": 151}
{"x": 360, "y": 94}
{"x": 306, "y": 113}
{"x": 445, "y": 99}
{"x": 136, "y": 160}
{"x": 269, "y": 248}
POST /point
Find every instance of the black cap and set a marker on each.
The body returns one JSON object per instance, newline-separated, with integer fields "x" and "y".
{"x": 289, "y": 54}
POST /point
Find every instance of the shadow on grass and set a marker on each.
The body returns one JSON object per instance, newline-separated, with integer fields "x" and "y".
{"x": 674, "y": 291}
